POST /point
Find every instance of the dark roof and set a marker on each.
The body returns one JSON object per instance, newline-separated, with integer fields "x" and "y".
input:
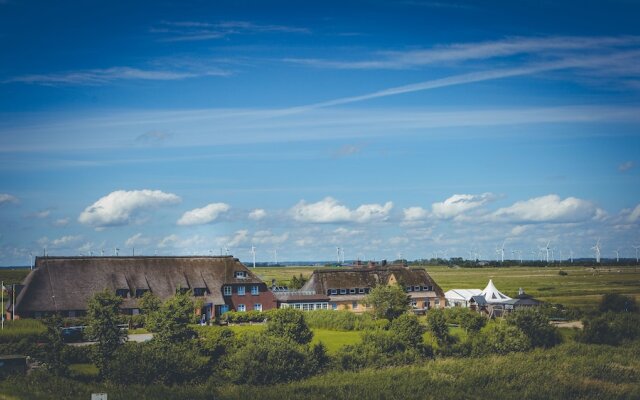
{"x": 323, "y": 280}
{"x": 73, "y": 280}
{"x": 479, "y": 300}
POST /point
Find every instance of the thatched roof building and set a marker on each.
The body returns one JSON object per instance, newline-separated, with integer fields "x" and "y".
{"x": 65, "y": 284}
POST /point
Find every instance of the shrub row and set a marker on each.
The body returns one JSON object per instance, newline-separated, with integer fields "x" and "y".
{"x": 343, "y": 320}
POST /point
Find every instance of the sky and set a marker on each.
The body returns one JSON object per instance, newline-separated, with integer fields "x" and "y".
{"x": 387, "y": 129}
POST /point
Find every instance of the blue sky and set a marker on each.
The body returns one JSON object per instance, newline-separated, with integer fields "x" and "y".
{"x": 383, "y": 128}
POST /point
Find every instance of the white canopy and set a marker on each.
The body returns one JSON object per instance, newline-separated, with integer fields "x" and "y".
{"x": 493, "y": 295}
{"x": 461, "y": 294}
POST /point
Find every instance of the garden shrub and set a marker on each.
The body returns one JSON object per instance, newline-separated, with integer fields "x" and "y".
{"x": 343, "y": 320}
{"x": 536, "y": 326}
{"x": 610, "y": 328}
{"x": 499, "y": 339}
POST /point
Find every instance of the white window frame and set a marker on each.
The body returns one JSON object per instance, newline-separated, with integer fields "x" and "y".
{"x": 360, "y": 290}
{"x": 333, "y": 291}
{"x": 352, "y": 291}
{"x": 343, "y": 291}
{"x": 242, "y": 308}
{"x": 257, "y": 307}
{"x": 255, "y": 290}
{"x": 227, "y": 290}
{"x": 416, "y": 288}
{"x": 241, "y": 290}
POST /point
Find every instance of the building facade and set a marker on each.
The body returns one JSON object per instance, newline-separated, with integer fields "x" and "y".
{"x": 64, "y": 285}
{"x": 345, "y": 289}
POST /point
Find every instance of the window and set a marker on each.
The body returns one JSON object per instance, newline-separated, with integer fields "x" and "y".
{"x": 409, "y": 289}
{"x": 416, "y": 288}
{"x": 352, "y": 291}
{"x": 436, "y": 302}
{"x": 122, "y": 293}
{"x": 333, "y": 291}
{"x": 254, "y": 290}
{"x": 241, "y": 290}
{"x": 141, "y": 292}
{"x": 242, "y": 308}
{"x": 240, "y": 274}
{"x": 305, "y": 307}
{"x": 257, "y": 307}
{"x": 227, "y": 290}
{"x": 343, "y": 291}
{"x": 135, "y": 311}
{"x": 361, "y": 290}
{"x": 297, "y": 306}
{"x": 430, "y": 288}
{"x": 334, "y": 306}
{"x": 72, "y": 314}
{"x": 414, "y": 304}
{"x": 425, "y": 288}
{"x": 199, "y": 292}
{"x": 324, "y": 306}
{"x": 354, "y": 304}
{"x": 182, "y": 290}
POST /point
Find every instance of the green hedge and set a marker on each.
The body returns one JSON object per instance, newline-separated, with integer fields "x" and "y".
{"x": 342, "y": 320}
{"x": 15, "y": 331}
{"x": 234, "y": 317}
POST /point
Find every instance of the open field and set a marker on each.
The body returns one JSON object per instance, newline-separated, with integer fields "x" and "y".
{"x": 582, "y": 287}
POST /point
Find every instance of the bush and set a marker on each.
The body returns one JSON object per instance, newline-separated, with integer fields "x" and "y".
{"x": 536, "y": 326}
{"x": 611, "y": 328}
{"x": 157, "y": 362}
{"x": 562, "y": 273}
{"x": 289, "y": 324}
{"x": 617, "y": 303}
{"x": 381, "y": 349}
{"x": 437, "y": 324}
{"x": 77, "y": 354}
{"x": 266, "y": 359}
{"x": 343, "y": 320}
{"x": 499, "y": 339}
{"x": 466, "y": 318}
{"x": 408, "y": 329}
{"x": 234, "y": 317}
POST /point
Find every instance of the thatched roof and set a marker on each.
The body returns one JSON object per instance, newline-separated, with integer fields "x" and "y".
{"x": 323, "y": 280}
{"x": 67, "y": 283}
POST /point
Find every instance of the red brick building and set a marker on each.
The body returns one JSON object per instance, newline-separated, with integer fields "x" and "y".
{"x": 64, "y": 285}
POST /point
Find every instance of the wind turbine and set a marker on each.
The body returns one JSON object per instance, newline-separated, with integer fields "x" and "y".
{"x": 597, "y": 250}
{"x": 636, "y": 247}
{"x": 31, "y": 259}
{"x": 116, "y": 250}
{"x": 275, "y": 256}
{"x": 547, "y": 248}
{"x": 617, "y": 251}
{"x": 571, "y": 256}
{"x": 253, "y": 254}
{"x": 500, "y": 250}
{"x": 338, "y": 254}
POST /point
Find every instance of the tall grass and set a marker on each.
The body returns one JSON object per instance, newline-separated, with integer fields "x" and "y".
{"x": 20, "y": 329}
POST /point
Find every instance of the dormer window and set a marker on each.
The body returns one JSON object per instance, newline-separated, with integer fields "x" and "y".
{"x": 199, "y": 292}
{"x": 409, "y": 289}
{"x": 361, "y": 290}
{"x": 416, "y": 288}
{"x": 182, "y": 290}
{"x": 141, "y": 292}
{"x": 352, "y": 291}
{"x": 333, "y": 291}
{"x": 343, "y": 291}
{"x": 124, "y": 293}
{"x": 425, "y": 288}
{"x": 240, "y": 274}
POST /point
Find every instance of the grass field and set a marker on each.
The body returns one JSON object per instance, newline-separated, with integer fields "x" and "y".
{"x": 582, "y": 287}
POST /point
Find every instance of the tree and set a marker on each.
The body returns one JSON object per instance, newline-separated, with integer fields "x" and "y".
{"x": 535, "y": 325}
{"x": 500, "y": 339}
{"x": 408, "y": 329}
{"x": 289, "y": 324}
{"x": 102, "y": 319}
{"x": 437, "y": 324}
{"x": 54, "y": 345}
{"x": 170, "y": 323}
{"x": 388, "y": 301}
{"x": 149, "y": 303}
{"x": 472, "y": 321}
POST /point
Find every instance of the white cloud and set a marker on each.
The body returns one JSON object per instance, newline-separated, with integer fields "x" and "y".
{"x": 347, "y": 232}
{"x": 204, "y": 215}
{"x": 625, "y": 166}
{"x": 266, "y": 237}
{"x": 168, "y": 241}
{"x": 6, "y": 198}
{"x": 61, "y": 222}
{"x": 635, "y": 214}
{"x": 137, "y": 240}
{"x": 413, "y": 214}
{"x": 329, "y": 210}
{"x": 119, "y": 207}
{"x": 257, "y": 214}
{"x": 518, "y": 230}
{"x": 459, "y": 204}
{"x": 61, "y": 242}
{"x": 304, "y": 242}
{"x": 398, "y": 240}
{"x": 238, "y": 238}
{"x": 40, "y": 214}
{"x": 549, "y": 208}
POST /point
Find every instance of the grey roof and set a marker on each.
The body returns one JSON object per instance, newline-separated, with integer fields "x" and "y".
{"x": 67, "y": 283}
{"x": 323, "y": 280}
{"x": 479, "y": 300}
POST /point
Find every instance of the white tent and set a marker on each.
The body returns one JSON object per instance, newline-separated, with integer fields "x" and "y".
{"x": 460, "y": 297}
{"x": 493, "y": 295}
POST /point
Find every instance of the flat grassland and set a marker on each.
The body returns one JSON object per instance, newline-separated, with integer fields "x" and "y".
{"x": 581, "y": 287}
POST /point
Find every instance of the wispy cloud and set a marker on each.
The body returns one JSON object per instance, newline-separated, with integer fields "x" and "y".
{"x": 113, "y": 74}
{"x": 182, "y": 31}
{"x": 6, "y": 198}
{"x": 549, "y": 48}
{"x": 626, "y": 166}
